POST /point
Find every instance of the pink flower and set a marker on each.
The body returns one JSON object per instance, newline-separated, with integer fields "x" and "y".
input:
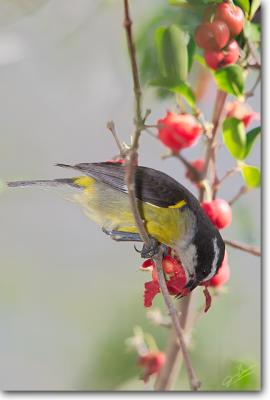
{"x": 241, "y": 111}
{"x": 151, "y": 362}
{"x": 175, "y": 279}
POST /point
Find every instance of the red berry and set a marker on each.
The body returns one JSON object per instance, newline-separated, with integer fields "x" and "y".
{"x": 212, "y": 35}
{"x": 199, "y": 166}
{"x": 231, "y": 53}
{"x": 223, "y": 274}
{"x": 151, "y": 362}
{"x": 178, "y": 131}
{"x": 214, "y": 59}
{"x": 232, "y": 15}
{"x": 218, "y": 59}
{"x": 219, "y": 212}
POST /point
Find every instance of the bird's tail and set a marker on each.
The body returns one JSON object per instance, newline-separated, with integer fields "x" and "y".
{"x": 45, "y": 183}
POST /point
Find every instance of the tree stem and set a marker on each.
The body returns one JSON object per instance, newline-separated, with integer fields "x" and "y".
{"x": 210, "y": 157}
{"x": 167, "y": 376}
{"x": 193, "y": 380}
{"x": 244, "y": 247}
{"x": 131, "y": 165}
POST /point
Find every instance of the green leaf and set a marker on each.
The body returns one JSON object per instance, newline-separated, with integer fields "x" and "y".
{"x": 199, "y": 58}
{"x": 163, "y": 15}
{"x": 253, "y": 8}
{"x": 251, "y": 138}
{"x": 244, "y": 4}
{"x": 230, "y": 79}
{"x": 234, "y": 137}
{"x": 178, "y": 2}
{"x": 181, "y": 88}
{"x": 159, "y": 37}
{"x": 171, "y": 44}
{"x": 191, "y": 49}
{"x": 251, "y": 175}
{"x": 184, "y": 3}
{"x": 252, "y": 31}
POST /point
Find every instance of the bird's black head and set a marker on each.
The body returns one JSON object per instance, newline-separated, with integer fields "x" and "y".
{"x": 210, "y": 250}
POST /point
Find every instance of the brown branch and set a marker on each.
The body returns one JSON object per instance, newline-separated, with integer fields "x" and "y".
{"x": 132, "y": 162}
{"x": 193, "y": 380}
{"x": 210, "y": 156}
{"x": 244, "y": 247}
{"x": 135, "y": 74}
{"x": 169, "y": 372}
{"x": 195, "y": 173}
{"x": 243, "y": 190}
{"x": 130, "y": 181}
{"x": 120, "y": 146}
{"x": 220, "y": 181}
{"x": 250, "y": 92}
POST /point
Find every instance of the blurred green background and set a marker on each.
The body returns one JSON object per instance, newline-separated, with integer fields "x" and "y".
{"x": 69, "y": 296}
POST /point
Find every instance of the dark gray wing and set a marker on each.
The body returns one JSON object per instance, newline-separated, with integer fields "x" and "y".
{"x": 151, "y": 186}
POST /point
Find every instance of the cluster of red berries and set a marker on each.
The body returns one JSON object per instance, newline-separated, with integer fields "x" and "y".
{"x": 215, "y": 35}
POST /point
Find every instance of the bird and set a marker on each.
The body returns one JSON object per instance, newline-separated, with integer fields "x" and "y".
{"x": 171, "y": 214}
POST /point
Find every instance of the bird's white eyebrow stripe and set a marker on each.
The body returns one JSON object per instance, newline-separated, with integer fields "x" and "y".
{"x": 215, "y": 260}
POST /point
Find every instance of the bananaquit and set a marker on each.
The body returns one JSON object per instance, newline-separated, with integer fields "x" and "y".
{"x": 172, "y": 215}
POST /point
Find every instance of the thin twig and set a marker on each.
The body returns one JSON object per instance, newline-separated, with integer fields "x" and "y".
{"x": 121, "y": 148}
{"x": 250, "y": 93}
{"x": 195, "y": 173}
{"x": 169, "y": 372}
{"x": 243, "y": 190}
{"x": 212, "y": 144}
{"x": 130, "y": 181}
{"x": 220, "y": 181}
{"x": 244, "y": 247}
{"x": 135, "y": 74}
{"x": 132, "y": 162}
{"x": 193, "y": 380}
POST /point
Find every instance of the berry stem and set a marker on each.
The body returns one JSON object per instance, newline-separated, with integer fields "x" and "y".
{"x": 243, "y": 190}
{"x": 193, "y": 380}
{"x": 188, "y": 165}
{"x": 244, "y": 247}
{"x": 167, "y": 375}
{"x": 132, "y": 160}
{"x": 111, "y": 128}
{"x": 210, "y": 156}
{"x": 220, "y": 181}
